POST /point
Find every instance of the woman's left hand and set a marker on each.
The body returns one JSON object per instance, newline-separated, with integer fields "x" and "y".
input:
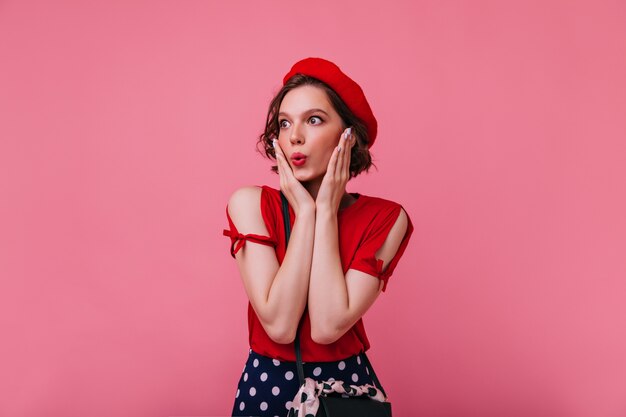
{"x": 337, "y": 174}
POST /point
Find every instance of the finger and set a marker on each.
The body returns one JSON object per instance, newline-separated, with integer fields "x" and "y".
{"x": 352, "y": 142}
{"x": 280, "y": 163}
{"x": 287, "y": 176}
{"x": 280, "y": 157}
{"x": 332, "y": 163}
{"x": 278, "y": 151}
{"x": 345, "y": 147}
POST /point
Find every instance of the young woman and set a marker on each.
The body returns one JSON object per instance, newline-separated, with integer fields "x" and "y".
{"x": 342, "y": 250}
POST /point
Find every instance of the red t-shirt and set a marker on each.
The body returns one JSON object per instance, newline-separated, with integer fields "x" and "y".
{"x": 363, "y": 228}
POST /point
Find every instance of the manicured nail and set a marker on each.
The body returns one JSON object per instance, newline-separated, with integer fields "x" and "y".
{"x": 338, "y": 148}
{"x": 349, "y": 131}
{"x": 274, "y": 143}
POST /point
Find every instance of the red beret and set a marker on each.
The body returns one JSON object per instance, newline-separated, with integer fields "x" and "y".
{"x": 349, "y": 91}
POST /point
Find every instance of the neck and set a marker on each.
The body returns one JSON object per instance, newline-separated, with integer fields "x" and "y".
{"x": 313, "y": 187}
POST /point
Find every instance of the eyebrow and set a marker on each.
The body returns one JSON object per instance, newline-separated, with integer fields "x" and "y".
{"x": 282, "y": 113}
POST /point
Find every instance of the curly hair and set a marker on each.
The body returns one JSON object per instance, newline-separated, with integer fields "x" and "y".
{"x": 360, "y": 158}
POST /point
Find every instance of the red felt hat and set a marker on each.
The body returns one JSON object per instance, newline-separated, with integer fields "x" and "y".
{"x": 349, "y": 91}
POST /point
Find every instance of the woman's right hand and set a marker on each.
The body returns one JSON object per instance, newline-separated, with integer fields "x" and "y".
{"x": 298, "y": 196}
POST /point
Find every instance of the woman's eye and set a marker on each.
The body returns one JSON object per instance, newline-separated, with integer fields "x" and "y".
{"x": 283, "y": 123}
{"x": 315, "y": 120}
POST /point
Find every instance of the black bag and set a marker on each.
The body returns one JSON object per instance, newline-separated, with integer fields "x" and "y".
{"x": 338, "y": 406}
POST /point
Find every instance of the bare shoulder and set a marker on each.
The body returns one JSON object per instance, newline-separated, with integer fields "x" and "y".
{"x": 402, "y": 222}
{"x": 244, "y": 208}
{"x": 244, "y": 196}
{"x": 394, "y": 239}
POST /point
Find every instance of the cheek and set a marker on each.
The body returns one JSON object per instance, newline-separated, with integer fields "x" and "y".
{"x": 325, "y": 159}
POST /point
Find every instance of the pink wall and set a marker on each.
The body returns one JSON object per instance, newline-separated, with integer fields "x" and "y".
{"x": 125, "y": 126}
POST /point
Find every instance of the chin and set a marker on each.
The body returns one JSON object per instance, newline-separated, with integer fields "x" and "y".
{"x": 304, "y": 176}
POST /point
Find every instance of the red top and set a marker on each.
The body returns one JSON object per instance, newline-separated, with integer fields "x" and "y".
{"x": 363, "y": 228}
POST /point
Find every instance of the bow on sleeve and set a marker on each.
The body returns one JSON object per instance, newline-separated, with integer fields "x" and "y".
{"x": 238, "y": 240}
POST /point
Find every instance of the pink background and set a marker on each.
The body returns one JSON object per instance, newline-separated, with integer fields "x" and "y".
{"x": 125, "y": 126}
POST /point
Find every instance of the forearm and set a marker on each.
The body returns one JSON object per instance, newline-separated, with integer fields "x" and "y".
{"x": 328, "y": 295}
{"x": 287, "y": 296}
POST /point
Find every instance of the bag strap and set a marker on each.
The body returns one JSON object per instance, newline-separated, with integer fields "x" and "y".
{"x": 287, "y": 224}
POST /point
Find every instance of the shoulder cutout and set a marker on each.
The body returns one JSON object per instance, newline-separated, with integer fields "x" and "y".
{"x": 383, "y": 247}
{"x": 245, "y": 217}
{"x": 244, "y": 208}
{"x": 390, "y": 247}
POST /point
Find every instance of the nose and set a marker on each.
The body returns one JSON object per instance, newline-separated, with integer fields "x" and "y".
{"x": 296, "y": 136}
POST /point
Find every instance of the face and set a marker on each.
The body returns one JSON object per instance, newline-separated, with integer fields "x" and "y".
{"x": 310, "y": 127}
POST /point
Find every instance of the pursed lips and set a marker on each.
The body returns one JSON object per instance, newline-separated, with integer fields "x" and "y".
{"x": 298, "y": 158}
{"x": 298, "y": 155}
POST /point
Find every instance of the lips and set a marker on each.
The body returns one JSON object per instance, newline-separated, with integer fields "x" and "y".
{"x": 298, "y": 159}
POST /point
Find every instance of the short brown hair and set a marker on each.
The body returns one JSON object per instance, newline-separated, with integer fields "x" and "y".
{"x": 360, "y": 157}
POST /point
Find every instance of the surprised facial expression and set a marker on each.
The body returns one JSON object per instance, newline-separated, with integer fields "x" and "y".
{"x": 309, "y": 131}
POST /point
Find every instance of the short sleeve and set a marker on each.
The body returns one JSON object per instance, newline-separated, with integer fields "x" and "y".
{"x": 365, "y": 259}
{"x": 238, "y": 240}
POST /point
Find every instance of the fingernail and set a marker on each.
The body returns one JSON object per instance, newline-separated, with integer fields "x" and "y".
{"x": 349, "y": 131}
{"x": 274, "y": 143}
{"x": 338, "y": 148}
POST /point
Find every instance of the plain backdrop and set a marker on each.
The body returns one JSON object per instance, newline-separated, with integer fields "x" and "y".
{"x": 125, "y": 126}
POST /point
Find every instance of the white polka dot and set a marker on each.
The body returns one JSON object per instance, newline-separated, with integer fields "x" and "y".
{"x": 237, "y": 396}
{"x": 275, "y": 391}
{"x": 288, "y": 405}
{"x": 288, "y": 375}
{"x": 255, "y": 363}
{"x": 252, "y": 392}
{"x": 245, "y": 376}
{"x": 263, "y": 406}
{"x": 367, "y": 370}
{"x": 264, "y": 376}
{"x": 342, "y": 365}
{"x": 317, "y": 371}
{"x": 276, "y": 362}
{"x": 355, "y": 377}
{"x": 242, "y": 406}
{"x": 331, "y": 379}
{"x": 358, "y": 360}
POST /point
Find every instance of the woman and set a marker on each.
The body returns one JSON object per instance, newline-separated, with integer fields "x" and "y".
{"x": 342, "y": 249}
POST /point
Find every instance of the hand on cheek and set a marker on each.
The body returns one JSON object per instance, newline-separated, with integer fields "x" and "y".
{"x": 337, "y": 174}
{"x": 298, "y": 196}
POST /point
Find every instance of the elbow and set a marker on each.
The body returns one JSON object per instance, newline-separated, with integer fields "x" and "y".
{"x": 281, "y": 334}
{"x": 324, "y": 336}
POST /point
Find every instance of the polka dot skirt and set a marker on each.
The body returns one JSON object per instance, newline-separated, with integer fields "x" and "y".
{"x": 267, "y": 386}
